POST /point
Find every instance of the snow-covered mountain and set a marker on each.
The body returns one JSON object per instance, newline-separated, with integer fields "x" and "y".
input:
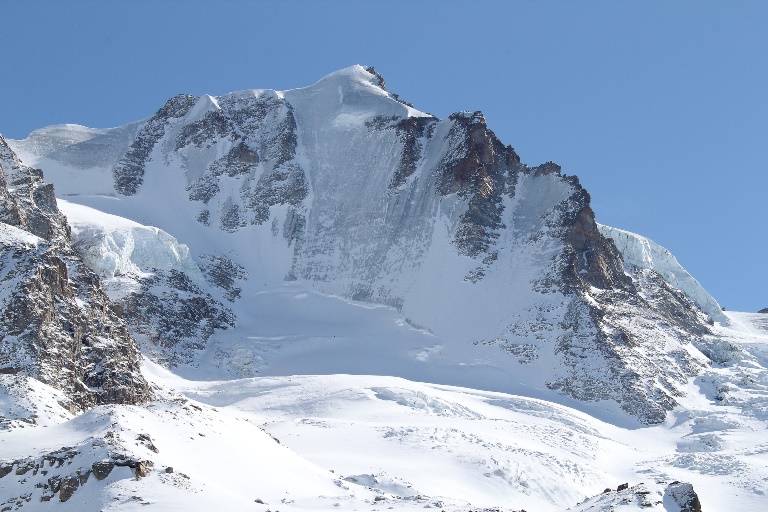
{"x": 348, "y": 190}
{"x": 335, "y": 229}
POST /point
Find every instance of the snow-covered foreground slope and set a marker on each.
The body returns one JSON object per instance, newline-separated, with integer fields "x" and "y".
{"x": 344, "y": 442}
{"x": 191, "y": 457}
{"x": 495, "y": 449}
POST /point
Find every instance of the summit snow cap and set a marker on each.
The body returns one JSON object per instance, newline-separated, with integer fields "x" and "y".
{"x": 355, "y": 88}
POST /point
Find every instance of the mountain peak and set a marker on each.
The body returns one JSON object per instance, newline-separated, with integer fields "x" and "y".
{"x": 364, "y": 75}
{"x": 358, "y": 87}
{"x": 372, "y": 70}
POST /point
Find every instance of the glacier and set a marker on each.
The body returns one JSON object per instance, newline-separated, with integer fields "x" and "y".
{"x": 641, "y": 252}
{"x": 118, "y": 249}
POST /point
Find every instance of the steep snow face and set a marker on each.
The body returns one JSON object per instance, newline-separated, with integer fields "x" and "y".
{"x": 343, "y": 187}
{"x": 642, "y": 253}
{"x": 48, "y": 140}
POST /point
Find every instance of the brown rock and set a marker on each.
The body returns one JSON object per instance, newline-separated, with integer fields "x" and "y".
{"x": 143, "y": 468}
{"x": 83, "y": 475}
{"x": 683, "y": 495}
{"x": 68, "y": 487}
{"x": 102, "y": 469}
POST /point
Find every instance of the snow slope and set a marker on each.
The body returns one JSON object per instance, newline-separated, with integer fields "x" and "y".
{"x": 76, "y": 155}
{"x": 196, "y": 457}
{"x": 375, "y": 443}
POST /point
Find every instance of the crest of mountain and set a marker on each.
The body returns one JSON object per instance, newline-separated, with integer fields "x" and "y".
{"x": 56, "y": 323}
{"x": 349, "y": 190}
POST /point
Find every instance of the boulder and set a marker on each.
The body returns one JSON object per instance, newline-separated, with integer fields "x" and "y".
{"x": 68, "y": 487}
{"x": 681, "y": 496}
{"x": 102, "y": 469}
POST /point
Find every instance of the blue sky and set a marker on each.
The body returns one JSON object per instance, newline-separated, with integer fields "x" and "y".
{"x": 659, "y": 107}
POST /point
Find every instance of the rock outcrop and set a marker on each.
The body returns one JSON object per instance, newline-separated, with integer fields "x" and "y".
{"x": 129, "y": 171}
{"x": 682, "y": 496}
{"x": 672, "y": 497}
{"x": 62, "y": 472}
{"x": 175, "y": 315}
{"x": 56, "y": 323}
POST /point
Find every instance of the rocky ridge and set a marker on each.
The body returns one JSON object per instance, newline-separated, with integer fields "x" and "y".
{"x": 56, "y": 324}
{"x": 677, "y": 496}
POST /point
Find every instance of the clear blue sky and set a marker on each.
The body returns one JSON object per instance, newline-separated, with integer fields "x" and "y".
{"x": 660, "y": 108}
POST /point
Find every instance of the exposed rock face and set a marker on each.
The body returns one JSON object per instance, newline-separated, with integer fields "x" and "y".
{"x": 257, "y": 134}
{"x": 682, "y": 495}
{"x": 67, "y": 487}
{"x": 102, "y": 469}
{"x": 380, "y": 83}
{"x": 412, "y": 131}
{"x": 129, "y": 171}
{"x": 481, "y": 169}
{"x": 224, "y": 273}
{"x": 66, "y": 470}
{"x": 56, "y": 323}
{"x": 32, "y": 204}
{"x": 764, "y": 310}
{"x": 175, "y": 315}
